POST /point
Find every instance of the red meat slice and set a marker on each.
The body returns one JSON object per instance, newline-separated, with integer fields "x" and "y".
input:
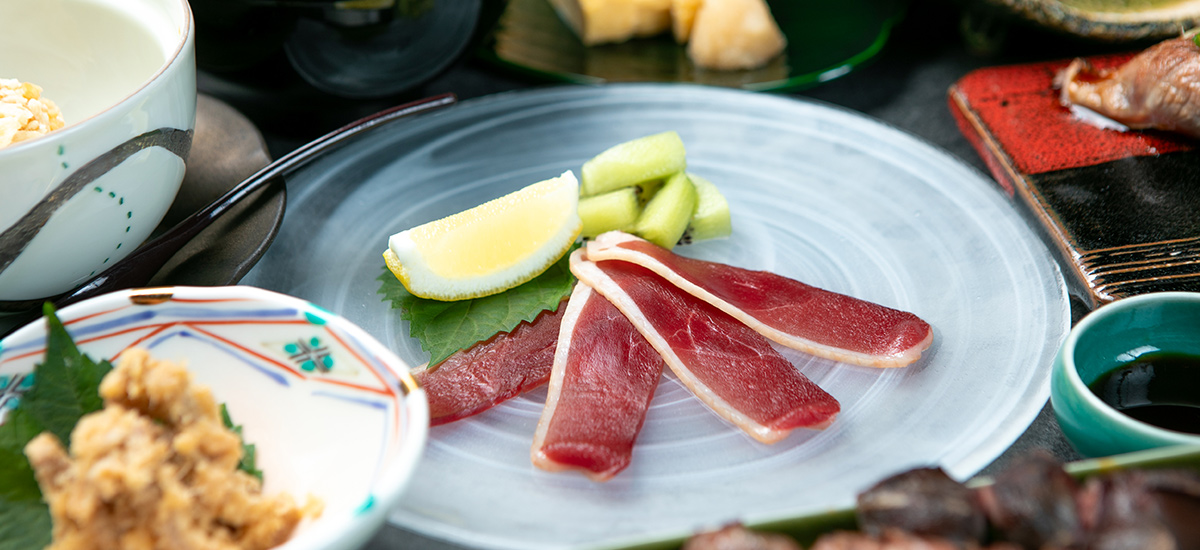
{"x": 731, "y": 368}
{"x": 799, "y": 316}
{"x": 490, "y": 372}
{"x": 604, "y": 376}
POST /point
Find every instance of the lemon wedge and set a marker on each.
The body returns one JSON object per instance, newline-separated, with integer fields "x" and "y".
{"x": 490, "y": 248}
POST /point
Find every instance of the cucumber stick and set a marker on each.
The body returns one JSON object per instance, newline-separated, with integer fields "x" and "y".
{"x": 614, "y": 210}
{"x": 667, "y": 214}
{"x": 640, "y": 186}
{"x": 711, "y": 220}
{"x": 633, "y": 162}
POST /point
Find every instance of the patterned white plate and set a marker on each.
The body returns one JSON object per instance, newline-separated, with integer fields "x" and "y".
{"x": 331, "y": 411}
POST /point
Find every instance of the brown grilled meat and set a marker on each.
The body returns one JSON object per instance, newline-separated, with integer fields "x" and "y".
{"x": 1032, "y": 503}
{"x": 736, "y": 537}
{"x": 923, "y": 501}
{"x": 1159, "y": 88}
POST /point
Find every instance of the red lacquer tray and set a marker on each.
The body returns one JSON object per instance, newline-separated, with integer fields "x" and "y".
{"x": 1122, "y": 209}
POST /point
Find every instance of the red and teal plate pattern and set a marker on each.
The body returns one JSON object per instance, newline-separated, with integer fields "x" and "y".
{"x": 331, "y": 411}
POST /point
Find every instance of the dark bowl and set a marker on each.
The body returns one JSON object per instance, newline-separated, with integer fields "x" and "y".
{"x": 300, "y": 51}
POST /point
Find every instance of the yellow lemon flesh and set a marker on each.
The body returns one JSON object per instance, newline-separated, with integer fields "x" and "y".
{"x": 490, "y": 248}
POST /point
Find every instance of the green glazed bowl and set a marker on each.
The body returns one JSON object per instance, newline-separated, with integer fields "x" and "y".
{"x": 1113, "y": 335}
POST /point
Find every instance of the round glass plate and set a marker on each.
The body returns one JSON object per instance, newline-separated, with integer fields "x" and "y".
{"x": 825, "y": 40}
{"x": 817, "y": 193}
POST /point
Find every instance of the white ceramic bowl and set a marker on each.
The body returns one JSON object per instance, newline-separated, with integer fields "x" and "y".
{"x": 332, "y": 412}
{"x": 82, "y": 197}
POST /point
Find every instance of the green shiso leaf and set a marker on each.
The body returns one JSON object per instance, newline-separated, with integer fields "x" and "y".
{"x": 17, "y": 483}
{"x": 24, "y": 518}
{"x": 66, "y": 387}
{"x": 66, "y": 383}
{"x": 24, "y": 524}
{"x": 446, "y": 327}
{"x": 249, "y": 462}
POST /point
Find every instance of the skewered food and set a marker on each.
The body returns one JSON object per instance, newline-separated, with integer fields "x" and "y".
{"x": 1033, "y": 504}
{"x": 924, "y": 500}
{"x": 734, "y": 536}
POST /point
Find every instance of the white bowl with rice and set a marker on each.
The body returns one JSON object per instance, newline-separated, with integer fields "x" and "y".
{"x": 122, "y": 75}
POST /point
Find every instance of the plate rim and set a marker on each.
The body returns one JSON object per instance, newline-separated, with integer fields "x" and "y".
{"x": 1013, "y": 427}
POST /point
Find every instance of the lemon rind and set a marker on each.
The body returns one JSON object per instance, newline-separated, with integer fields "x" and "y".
{"x": 424, "y": 283}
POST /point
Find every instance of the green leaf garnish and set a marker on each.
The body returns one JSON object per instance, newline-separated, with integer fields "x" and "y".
{"x": 446, "y": 327}
{"x": 66, "y": 387}
{"x": 24, "y": 524}
{"x": 67, "y": 383}
{"x": 24, "y": 518}
{"x": 249, "y": 462}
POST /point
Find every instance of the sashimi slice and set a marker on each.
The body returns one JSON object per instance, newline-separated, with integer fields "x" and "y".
{"x": 604, "y": 376}
{"x": 482, "y": 376}
{"x": 731, "y": 368}
{"x": 794, "y": 314}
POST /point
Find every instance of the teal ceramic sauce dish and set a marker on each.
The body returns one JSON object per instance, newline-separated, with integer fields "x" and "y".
{"x": 1165, "y": 324}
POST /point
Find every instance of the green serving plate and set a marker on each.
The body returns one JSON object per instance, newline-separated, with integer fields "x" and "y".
{"x": 825, "y": 40}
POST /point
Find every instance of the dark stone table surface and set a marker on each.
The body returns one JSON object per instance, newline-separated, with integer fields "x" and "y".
{"x": 905, "y": 86}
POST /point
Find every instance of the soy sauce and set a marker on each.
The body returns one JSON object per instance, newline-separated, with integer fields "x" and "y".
{"x": 1162, "y": 389}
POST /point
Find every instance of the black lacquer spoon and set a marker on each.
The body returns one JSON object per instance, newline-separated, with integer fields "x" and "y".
{"x": 136, "y": 269}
